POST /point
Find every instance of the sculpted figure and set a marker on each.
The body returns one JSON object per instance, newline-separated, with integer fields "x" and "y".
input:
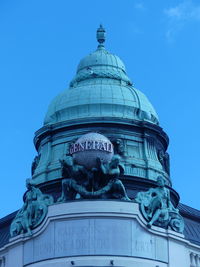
{"x": 99, "y": 182}
{"x": 109, "y": 179}
{"x": 119, "y": 147}
{"x": 158, "y": 209}
{"x": 33, "y": 211}
{"x": 35, "y": 164}
{"x": 73, "y": 175}
{"x": 164, "y": 160}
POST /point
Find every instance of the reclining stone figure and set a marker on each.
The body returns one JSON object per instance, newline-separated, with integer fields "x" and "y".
{"x": 32, "y": 212}
{"x": 157, "y": 208}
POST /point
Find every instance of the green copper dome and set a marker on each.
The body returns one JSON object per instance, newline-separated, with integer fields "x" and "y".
{"x": 101, "y": 88}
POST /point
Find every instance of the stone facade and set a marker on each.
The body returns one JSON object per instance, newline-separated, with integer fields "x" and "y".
{"x": 98, "y": 233}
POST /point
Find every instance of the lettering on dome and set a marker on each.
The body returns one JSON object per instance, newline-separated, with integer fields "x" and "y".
{"x": 91, "y": 145}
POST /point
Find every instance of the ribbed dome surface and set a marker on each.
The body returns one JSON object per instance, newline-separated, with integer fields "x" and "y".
{"x": 101, "y": 57}
{"x": 101, "y": 88}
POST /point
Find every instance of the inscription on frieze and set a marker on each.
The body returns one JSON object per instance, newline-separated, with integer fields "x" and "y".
{"x": 143, "y": 246}
{"x": 96, "y": 236}
{"x": 72, "y": 237}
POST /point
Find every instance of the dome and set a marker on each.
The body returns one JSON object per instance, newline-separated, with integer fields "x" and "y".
{"x": 101, "y": 57}
{"x": 100, "y": 88}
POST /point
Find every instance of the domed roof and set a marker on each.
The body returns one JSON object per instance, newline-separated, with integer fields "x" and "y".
{"x": 101, "y": 57}
{"x": 101, "y": 88}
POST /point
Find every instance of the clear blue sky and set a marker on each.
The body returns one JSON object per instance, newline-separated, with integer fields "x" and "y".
{"x": 42, "y": 42}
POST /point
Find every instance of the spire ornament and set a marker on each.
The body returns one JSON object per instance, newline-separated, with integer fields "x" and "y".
{"x": 101, "y": 36}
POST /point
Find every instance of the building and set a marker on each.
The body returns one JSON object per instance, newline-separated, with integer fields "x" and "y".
{"x": 101, "y": 193}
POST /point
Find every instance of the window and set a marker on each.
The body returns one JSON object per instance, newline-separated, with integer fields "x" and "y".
{"x": 2, "y": 261}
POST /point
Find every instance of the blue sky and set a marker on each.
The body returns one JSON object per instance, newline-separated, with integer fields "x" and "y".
{"x": 42, "y": 42}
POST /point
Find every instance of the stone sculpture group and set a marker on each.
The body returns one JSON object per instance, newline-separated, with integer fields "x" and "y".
{"x": 100, "y": 182}
{"x": 33, "y": 211}
{"x": 157, "y": 208}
